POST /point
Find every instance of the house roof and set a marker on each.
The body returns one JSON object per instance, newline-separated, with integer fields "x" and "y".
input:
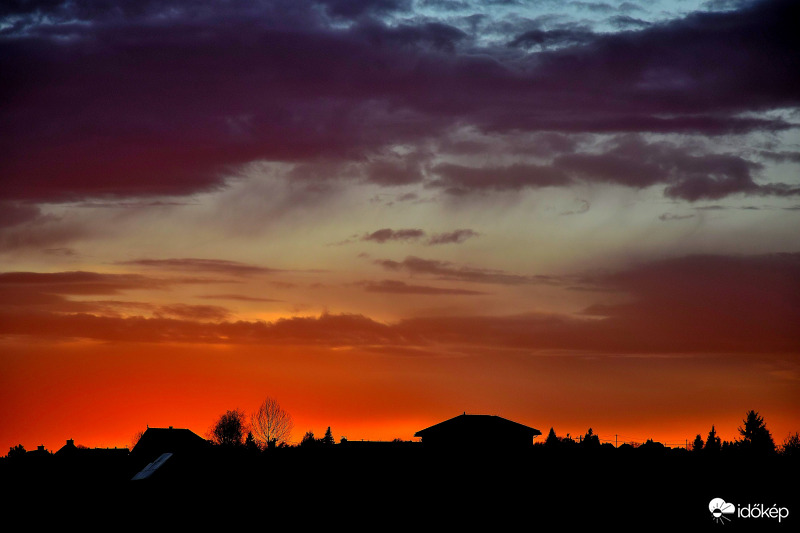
{"x": 155, "y": 441}
{"x": 70, "y": 450}
{"x": 470, "y": 425}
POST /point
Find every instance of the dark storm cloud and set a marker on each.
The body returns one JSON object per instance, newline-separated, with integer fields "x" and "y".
{"x": 127, "y": 99}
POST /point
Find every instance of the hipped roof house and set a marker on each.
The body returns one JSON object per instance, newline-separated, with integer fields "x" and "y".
{"x": 478, "y": 431}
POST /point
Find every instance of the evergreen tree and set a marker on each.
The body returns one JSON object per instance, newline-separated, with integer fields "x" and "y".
{"x": 552, "y": 440}
{"x": 791, "y": 446}
{"x": 250, "y": 442}
{"x": 755, "y": 436}
{"x": 697, "y": 445}
{"x": 590, "y": 440}
{"x": 308, "y": 440}
{"x": 713, "y": 443}
{"x": 328, "y": 438}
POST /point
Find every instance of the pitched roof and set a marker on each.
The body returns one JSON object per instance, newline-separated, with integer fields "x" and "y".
{"x": 70, "y": 450}
{"x": 469, "y": 425}
{"x": 156, "y": 441}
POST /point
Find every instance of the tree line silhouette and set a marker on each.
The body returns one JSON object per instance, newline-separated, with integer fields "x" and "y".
{"x": 755, "y": 439}
{"x": 250, "y": 461}
{"x": 270, "y": 427}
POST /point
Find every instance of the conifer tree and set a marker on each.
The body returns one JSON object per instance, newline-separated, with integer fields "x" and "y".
{"x": 713, "y": 443}
{"x": 756, "y": 437}
{"x": 552, "y": 440}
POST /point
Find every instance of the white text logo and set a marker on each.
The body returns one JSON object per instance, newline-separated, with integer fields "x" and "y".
{"x": 722, "y": 511}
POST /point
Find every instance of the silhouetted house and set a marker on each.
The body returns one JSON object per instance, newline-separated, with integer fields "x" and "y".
{"x": 90, "y": 465}
{"x": 39, "y": 452}
{"x": 478, "y": 431}
{"x": 70, "y": 451}
{"x": 157, "y": 441}
{"x": 171, "y": 448}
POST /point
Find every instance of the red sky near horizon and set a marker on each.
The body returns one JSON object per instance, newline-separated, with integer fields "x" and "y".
{"x": 384, "y": 214}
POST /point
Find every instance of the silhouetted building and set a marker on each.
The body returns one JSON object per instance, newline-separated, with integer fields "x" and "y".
{"x": 70, "y": 451}
{"x": 89, "y": 466}
{"x": 478, "y": 431}
{"x": 178, "y": 451}
{"x": 371, "y": 445}
{"x": 156, "y": 441}
{"x": 39, "y": 452}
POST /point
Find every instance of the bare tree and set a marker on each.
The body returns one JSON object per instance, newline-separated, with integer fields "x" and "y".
{"x": 271, "y": 424}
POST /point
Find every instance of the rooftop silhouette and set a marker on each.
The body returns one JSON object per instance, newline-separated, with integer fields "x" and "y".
{"x": 478, "y": 431}
{"x": 464, "y": 472}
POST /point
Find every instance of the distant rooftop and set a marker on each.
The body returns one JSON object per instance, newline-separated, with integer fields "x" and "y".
{"x": 473, "y": 429}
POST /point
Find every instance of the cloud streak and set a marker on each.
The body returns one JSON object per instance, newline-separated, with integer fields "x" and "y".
{"x": 218, "y": 266}
{"x": 685, "y": 305}
{"x": 401, "y": 287}
{"x": 414, "y": 235}
{"x": 447, "y": 271}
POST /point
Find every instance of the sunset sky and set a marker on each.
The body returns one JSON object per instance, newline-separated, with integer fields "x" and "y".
{"x": 384, "y": 213}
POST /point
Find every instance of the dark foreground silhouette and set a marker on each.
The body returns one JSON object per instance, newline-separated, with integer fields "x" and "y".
{"x": 392, "y": 485}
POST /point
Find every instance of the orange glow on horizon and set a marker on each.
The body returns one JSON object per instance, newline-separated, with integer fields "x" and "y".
{"x": 101, "y": 394}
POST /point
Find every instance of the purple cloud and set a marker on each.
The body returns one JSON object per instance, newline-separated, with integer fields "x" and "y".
{"x": 163, "y": 98}
{"x": 452, "y": 237}
{"x": 447, "y": 271}
{"x": 220, "y": 266}
{"x": 383, "y": 235}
